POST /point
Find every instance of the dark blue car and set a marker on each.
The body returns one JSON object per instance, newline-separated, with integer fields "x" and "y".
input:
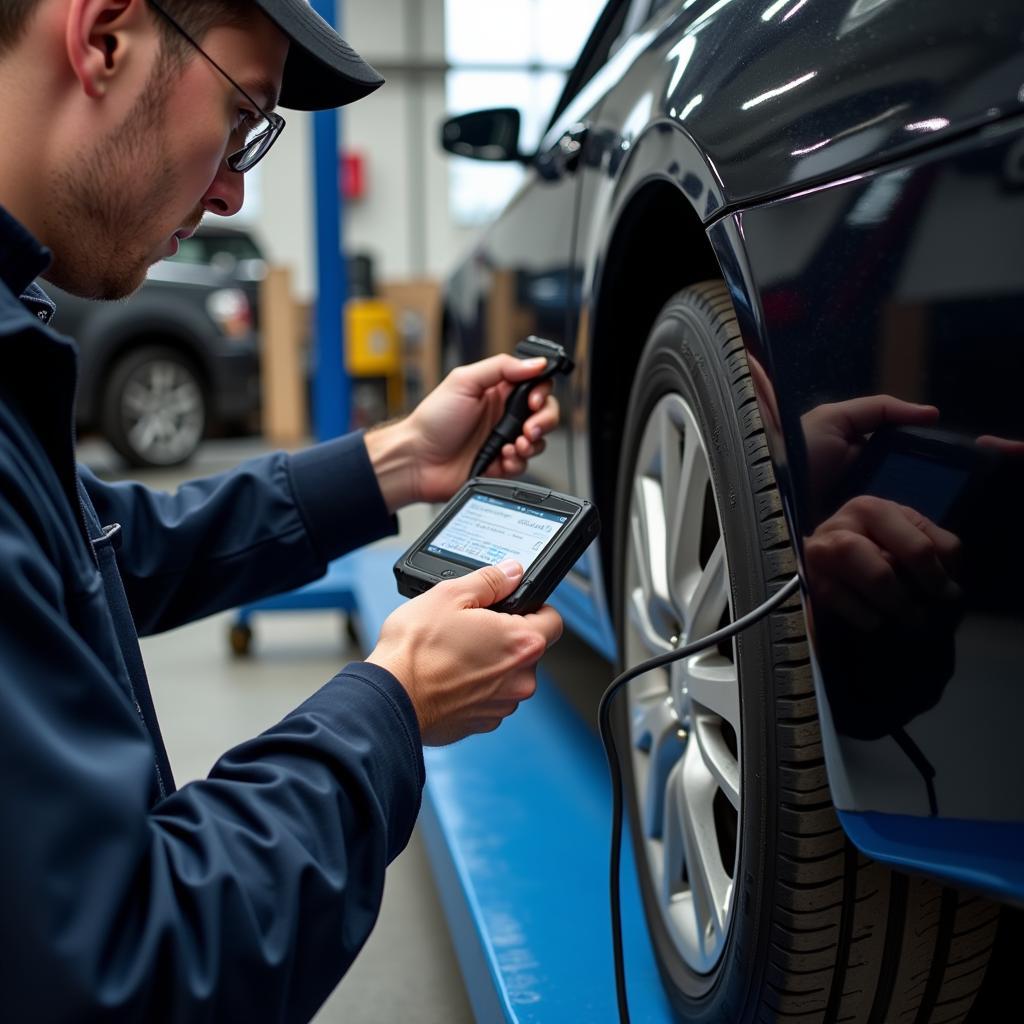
{"x": 179, "y": 360}
{"x": 784, "y": 243}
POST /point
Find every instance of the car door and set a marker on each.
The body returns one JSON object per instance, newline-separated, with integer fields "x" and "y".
{"x": 521, "y": 277}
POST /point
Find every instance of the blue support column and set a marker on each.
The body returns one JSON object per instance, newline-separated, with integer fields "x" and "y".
{"x": 331, "y": 391}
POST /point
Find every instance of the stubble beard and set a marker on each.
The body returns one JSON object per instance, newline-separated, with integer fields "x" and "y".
{"x": 104, "y": 220}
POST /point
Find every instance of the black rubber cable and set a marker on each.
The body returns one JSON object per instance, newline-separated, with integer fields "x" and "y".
{"x": 604, "y": 724}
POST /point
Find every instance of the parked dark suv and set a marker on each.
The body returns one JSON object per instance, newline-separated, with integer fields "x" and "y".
{"x": 783, "y": 242}
{"x": 180, "y": 358}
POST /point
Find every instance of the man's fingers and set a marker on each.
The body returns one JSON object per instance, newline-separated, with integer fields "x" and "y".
{"x": 547, "y": 622}
{"x": 947, "y": 545}
{"x": 539, "y": 395}
{"x": 508, "y": 465}
{"x": 518, "y": 685}
{"x": 544, "y": 420}
{"x": 912, "y": 540}
{"x": 867, "y": 414}
{"x": 525, "y": 448}
{"x": 486, "y": 586}
{"x": 476, "y": 378}
{"x": 1004, "y": 445}
{"x": 856, "y": 562}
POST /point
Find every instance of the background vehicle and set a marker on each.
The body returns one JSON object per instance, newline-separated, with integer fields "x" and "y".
{"x": 758, "y": 225}
{"x": 180, "y": 358}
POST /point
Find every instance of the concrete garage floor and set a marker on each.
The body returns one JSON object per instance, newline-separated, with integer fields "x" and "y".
{"x": 208, "y": 701}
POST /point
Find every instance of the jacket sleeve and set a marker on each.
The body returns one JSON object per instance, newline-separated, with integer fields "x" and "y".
{"x": 268, "y": 526}
{"x": 243, "y": 896}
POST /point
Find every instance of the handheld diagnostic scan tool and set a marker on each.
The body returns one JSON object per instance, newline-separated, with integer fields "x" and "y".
{"x": 517, "y": 405}
{"x": 491, "y": 520}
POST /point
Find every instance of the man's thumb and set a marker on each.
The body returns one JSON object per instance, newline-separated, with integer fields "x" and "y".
{"x": 490, "y": 584}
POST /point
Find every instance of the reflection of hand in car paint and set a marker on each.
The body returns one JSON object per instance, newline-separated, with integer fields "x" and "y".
{"x": 835, "y": 433}
{"x": 1002, "y": 445}
{"x": 883, "y": 582}
{"x": 875, "y": 560}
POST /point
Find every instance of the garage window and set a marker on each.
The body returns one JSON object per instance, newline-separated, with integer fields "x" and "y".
{"x": 517, "y": 54}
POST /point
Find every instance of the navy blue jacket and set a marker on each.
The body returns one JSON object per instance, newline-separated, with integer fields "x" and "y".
{"x": 241, "y": 897}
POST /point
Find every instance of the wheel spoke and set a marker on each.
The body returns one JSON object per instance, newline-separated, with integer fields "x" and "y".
{"x": 685, "y": 515}
{"x": 650, "y": 519}
{"x": 709, "y": 883}
{"x": 670, "y": 440}
{"x": 711, "y": 681}
{"x": 135, "y": 398}
{"x": 639, "y": 553}
{"x": 674, "y": 845}
{"x": 640, "y": 620}
{"x": 183, "y": 399}
{"x": 162, "y": 378}
{"x": 718, "y": 758}
{"x": 657, "y": 731}
{"x": 144, "y": 433}
{"x": 709, "y": 598}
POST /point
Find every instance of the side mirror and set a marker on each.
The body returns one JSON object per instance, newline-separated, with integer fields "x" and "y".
{"x": 484, "y": 134}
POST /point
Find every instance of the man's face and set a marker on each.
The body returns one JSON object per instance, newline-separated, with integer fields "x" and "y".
{"x": 119, "y": 204}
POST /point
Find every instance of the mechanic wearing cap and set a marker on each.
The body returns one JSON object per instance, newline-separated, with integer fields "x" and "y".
{"x": 244, "y": 896}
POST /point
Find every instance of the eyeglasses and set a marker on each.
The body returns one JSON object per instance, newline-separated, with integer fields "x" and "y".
{"x": 258, "y": 131}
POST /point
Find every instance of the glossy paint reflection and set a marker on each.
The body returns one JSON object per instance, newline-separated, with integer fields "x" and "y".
{"x": 892, "y": 316}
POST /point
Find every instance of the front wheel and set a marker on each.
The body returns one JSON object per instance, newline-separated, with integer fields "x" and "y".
{"x": 758, "y": 907}
{"x": 154, "y": 407}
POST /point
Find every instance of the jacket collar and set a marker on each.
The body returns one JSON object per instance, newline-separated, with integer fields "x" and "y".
{"x": 22, "y": 260}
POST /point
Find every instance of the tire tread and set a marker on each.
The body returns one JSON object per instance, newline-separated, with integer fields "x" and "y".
{"x": 848, "y": 939}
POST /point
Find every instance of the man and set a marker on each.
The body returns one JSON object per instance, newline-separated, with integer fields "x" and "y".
{"x": 244, "y": 896}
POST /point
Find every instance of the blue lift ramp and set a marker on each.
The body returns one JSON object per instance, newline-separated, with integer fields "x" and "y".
{"x": 517, "y": 827}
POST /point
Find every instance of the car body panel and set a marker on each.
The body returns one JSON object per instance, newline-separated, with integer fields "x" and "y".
{"x": 908, "y": 282}
{"x": 806, "y": 90}
{"x": 873, "y": 134}
{"x": 982, "y": 855}
{"x": 850, "y": 97}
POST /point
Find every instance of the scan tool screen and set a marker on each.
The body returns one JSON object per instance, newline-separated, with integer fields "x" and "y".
{"x": 488, "y": 530}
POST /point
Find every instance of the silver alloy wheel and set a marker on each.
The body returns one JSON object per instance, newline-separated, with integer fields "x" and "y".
{"x": 163, "y": 411}
{"x": 685, "y": 718}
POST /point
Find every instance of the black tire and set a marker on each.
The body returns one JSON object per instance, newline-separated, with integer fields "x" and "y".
{"x": 177, "y": 413}
{"x": 817, "y": 932}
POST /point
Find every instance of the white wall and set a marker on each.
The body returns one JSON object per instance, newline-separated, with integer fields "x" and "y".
{"x": 283, "y": 218}
{"x": 403, "y": 220}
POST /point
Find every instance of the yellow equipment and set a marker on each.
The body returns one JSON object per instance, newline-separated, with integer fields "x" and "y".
{"x": 373, "y": 355}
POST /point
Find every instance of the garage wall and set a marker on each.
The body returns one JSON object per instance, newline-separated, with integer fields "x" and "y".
{"x": 403, "y": 220}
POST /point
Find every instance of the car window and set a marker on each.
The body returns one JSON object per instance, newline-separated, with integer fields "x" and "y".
{"x": 217, "y": 250}
{"x": 596, "y": 51}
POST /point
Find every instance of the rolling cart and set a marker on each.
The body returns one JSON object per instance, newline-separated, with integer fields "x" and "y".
{"x": 333, "y": 591}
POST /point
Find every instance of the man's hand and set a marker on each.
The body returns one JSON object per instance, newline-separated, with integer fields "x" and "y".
{"x": 875, "y": 561}
{"x": 835, "y": 433}
{"x": 465, "y": 668}
{"x": 428, "y": 455}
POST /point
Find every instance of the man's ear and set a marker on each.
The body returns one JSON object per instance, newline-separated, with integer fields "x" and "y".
{"x": 99, "y": 37}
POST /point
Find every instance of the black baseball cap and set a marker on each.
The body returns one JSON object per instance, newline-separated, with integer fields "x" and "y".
{"x": 322, "y": 71}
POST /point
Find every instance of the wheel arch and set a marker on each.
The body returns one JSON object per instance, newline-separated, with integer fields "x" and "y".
{"x": 631, "y": 290}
